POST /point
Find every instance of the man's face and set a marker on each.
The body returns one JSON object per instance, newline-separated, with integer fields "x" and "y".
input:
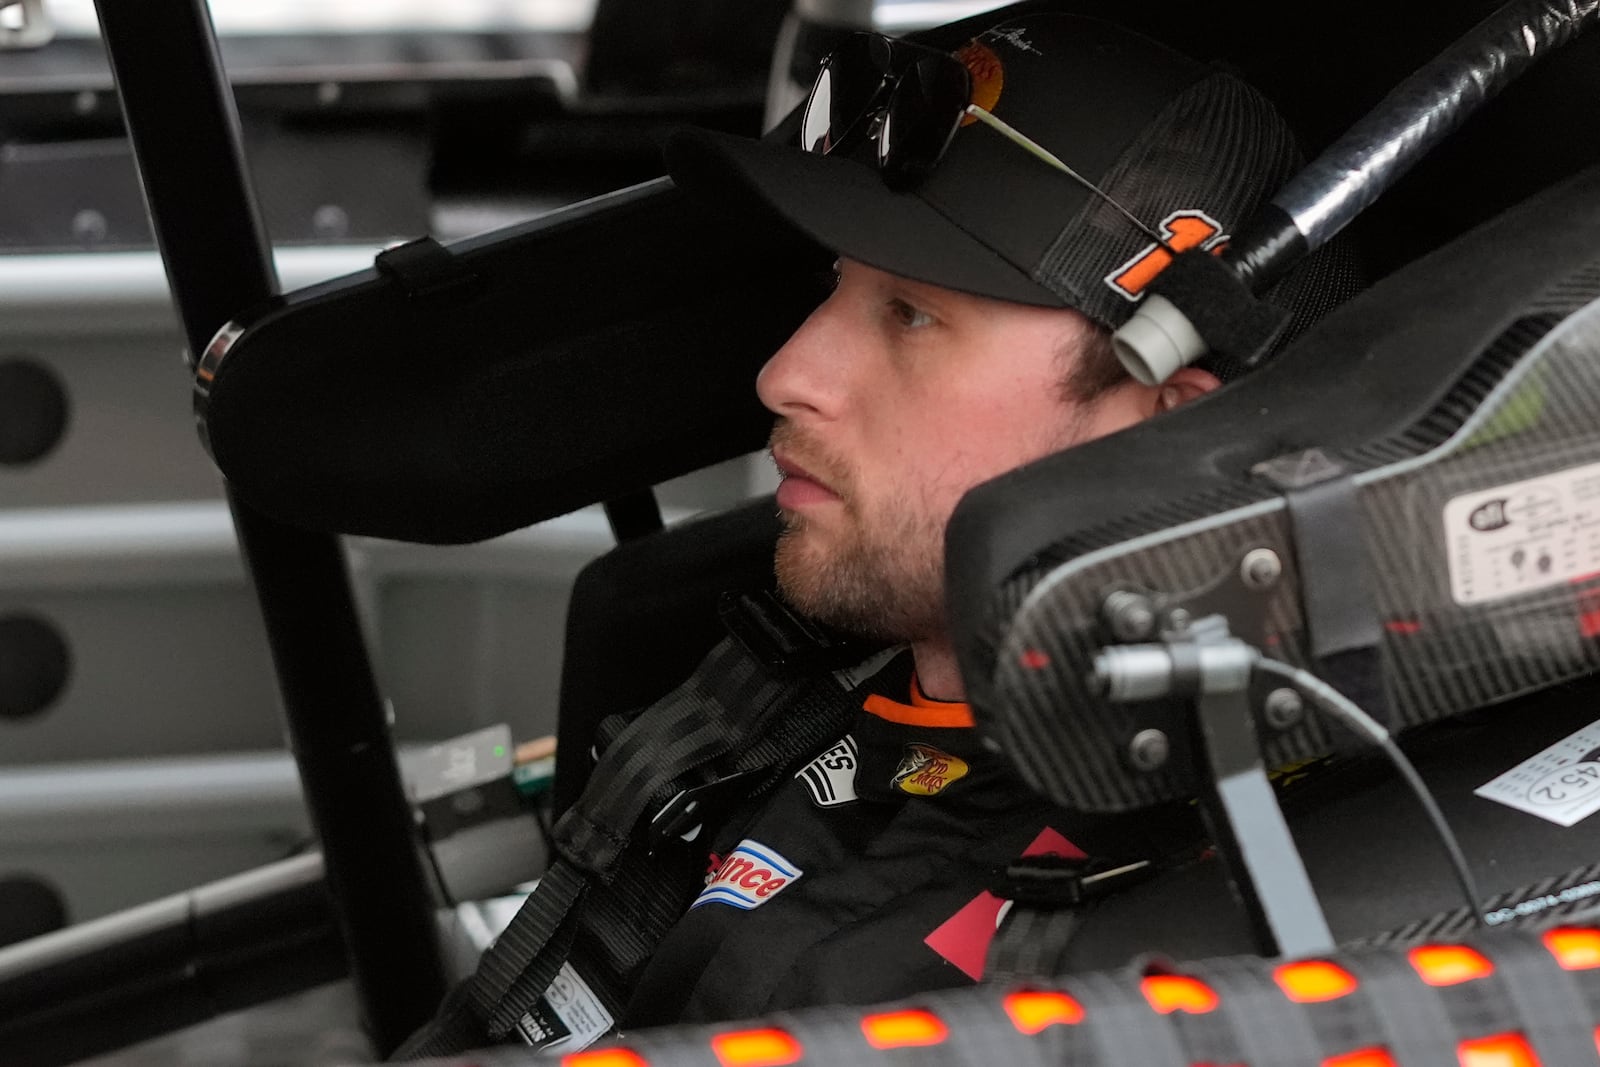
{"x": 894, "y": 398}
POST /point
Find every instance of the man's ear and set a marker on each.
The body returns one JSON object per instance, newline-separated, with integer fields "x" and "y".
{"x": 1184, "y": 386}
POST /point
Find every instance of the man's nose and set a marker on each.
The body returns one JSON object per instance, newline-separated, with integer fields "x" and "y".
{"x": 803, "y": 377}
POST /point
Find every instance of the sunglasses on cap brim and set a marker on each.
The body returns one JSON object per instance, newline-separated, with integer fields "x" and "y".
{"x": 910, "y": 99}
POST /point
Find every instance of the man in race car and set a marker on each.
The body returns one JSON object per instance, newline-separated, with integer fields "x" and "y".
{"x": 995, "y": 212}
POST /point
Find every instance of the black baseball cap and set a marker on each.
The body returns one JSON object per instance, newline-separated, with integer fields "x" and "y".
{"x": 1190, "y": 150}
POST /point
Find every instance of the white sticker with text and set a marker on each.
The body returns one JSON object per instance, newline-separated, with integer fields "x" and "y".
{"x": 1524, "y": 536}
{"x": 1560, "y": 784}
{"x": 569, "y": 1017}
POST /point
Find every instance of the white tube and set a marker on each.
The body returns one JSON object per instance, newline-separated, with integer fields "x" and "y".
{"x": 1157, "y": 342}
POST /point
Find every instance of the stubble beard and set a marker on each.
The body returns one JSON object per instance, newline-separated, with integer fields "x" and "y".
{"x": 882, "y": 579}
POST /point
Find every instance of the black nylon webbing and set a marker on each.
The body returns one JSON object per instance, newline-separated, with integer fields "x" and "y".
{"x": 1341, "y": 614}
{"x": 788, "y": 729}
{"x": 732, "y": 714}
{"x": 699, "y": 721}
{"x": 1031, "y": 943}
{"x": 515, "y": 957}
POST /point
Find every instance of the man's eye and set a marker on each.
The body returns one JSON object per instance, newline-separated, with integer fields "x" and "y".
{"x": 909, "y": 316}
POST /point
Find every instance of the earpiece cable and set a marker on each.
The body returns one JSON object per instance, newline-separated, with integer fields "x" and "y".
{"x": 1341, "y": 708}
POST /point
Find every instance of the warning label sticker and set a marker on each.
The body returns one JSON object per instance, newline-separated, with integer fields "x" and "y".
{"x": 569, "y": 1017}
{"x": 1561, "y": 784}
{"x": 1525, "y": 536}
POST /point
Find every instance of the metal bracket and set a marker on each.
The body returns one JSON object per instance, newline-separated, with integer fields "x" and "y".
{"x": 1251, "y": 835}
{"x": 1205, "y": 663}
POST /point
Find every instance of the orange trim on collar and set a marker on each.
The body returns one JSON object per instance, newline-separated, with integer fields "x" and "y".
{"x": 922, "y": 711}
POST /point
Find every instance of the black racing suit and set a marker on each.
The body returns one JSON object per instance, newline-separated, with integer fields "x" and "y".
{"x": 863, "y": 878}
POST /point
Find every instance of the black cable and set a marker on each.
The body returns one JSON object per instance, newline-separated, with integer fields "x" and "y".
{"x": 1341, "y": 708}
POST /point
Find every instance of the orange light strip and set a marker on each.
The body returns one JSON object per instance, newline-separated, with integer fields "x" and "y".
{"x": 1574, "y": 949}
{"x": 1032, "y": 1012}
{"x": 1447, "y": 965}
{"x": 756, "y": 1048}
{"x": 904, "y": 1029}
{"x": 1501, "y": 1050}
{"x": 605, "y": 1057}
{"x": 1366, "y": 1057}
{"x": 1168, "y": 993}
{"x": 1314, "y": 981}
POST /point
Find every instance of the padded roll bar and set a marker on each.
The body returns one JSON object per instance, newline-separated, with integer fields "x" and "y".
{"x": 171, "y": 963}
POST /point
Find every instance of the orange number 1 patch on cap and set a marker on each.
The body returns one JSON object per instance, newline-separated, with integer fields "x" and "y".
{"x": 1182, "y": 231}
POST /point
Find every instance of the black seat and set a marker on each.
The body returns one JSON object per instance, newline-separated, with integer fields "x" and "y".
{"x": 644, "y": 614}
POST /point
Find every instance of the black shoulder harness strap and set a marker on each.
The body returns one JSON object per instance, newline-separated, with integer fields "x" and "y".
{"x": 730, "y": 732}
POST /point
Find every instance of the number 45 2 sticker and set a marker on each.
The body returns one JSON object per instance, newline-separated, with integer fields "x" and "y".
{"x": 1561, "y": 784}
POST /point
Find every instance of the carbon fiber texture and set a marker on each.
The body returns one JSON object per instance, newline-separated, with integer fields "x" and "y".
{"x": 1220, "y": 148}
{"x": 1527, "y": 409}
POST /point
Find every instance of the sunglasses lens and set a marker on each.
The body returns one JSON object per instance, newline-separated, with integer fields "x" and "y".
{"x": 845, "y": 91}
{"x": 922, "y": 116}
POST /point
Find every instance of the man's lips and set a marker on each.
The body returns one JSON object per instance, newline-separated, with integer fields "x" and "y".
{"x": 799, "y": 487}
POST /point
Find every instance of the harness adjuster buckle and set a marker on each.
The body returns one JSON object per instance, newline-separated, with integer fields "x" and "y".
{"x": 1059, "y": 882}
{"x": 684, "y": 816}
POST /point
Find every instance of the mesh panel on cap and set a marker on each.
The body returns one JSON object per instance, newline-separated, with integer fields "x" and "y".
{"x": 1218, "y": 147}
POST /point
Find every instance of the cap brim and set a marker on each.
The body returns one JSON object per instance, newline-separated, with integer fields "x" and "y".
{"x": 845, "y": 206}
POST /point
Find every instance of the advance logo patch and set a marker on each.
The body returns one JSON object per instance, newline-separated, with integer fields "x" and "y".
{"x": 751, "y": 875}
{"x": 831, "y": 777}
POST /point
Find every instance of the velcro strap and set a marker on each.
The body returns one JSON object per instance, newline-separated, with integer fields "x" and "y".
{"x": 1235, "y": 323}
{"x": 1343, "y": 627}
{"x": 423, "y": 268}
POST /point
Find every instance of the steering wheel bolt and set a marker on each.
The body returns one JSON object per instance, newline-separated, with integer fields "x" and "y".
{"x": 1283, "y": 709}
{"x": 1149, "y": 750}
{"x": 1260, "y": 569}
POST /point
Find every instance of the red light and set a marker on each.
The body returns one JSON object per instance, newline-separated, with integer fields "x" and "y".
{"x": 1032, "y": 1012}
{"x": 1575, "y": 950}
{"x": 605, "y": 1057}
{"x": 1447, "y": 965}
{"x": 1366, "y": 1057}
{"x": 904, "y": 1029}
{"x": 756, "y": 1048}
{"x": 1168, "y": 993}
{"x": 1501, "y": 1050}
{"x": 1314, "y": 981}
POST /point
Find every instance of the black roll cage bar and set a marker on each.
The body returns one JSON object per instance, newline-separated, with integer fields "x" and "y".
{"x": 166, "y": 64}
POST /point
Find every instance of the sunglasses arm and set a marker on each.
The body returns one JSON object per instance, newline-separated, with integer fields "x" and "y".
{"x": 1038, "y": 151}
